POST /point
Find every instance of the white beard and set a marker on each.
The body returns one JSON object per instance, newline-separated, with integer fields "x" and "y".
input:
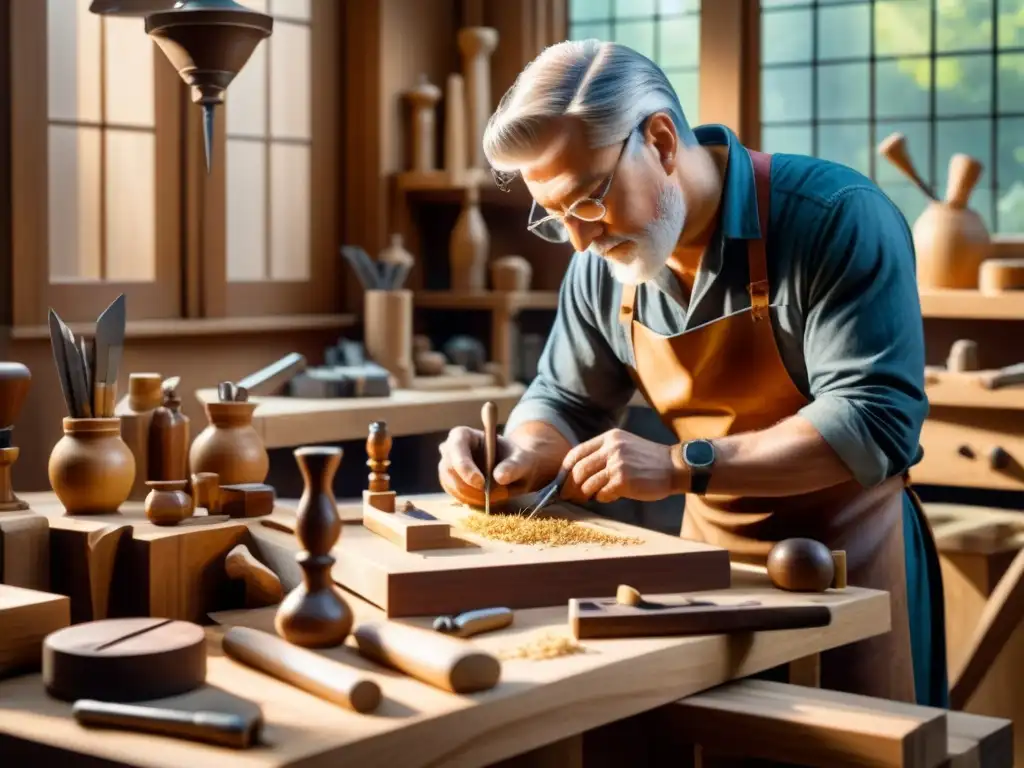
{"x": 646, "y": 254}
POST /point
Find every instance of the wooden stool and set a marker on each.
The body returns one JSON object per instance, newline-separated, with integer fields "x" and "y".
{"x": 786, "y": 723}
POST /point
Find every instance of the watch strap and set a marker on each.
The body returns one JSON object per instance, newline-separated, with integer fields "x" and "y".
{"x": 699, "y": 481}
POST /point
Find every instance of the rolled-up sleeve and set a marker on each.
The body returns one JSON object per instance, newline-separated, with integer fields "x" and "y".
{"x": 864, "y": 337}
{"x": 582, "y": 388}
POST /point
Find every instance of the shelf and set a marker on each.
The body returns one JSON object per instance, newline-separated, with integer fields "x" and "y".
{"x": 509, "y": 301}
{"x": 441, "y": 187}
{"x": 972, "y": 305}
{"x": 964, "y": 390}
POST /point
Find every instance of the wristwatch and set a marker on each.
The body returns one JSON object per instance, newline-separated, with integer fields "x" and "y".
{"x": 699, "y": 457}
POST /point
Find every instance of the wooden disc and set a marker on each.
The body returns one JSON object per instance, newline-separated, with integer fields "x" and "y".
{"x": 999, "y": 275}
{"x": 124, "y": 659}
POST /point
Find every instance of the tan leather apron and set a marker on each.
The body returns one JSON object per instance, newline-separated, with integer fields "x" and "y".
{"x": 727, "y": 377}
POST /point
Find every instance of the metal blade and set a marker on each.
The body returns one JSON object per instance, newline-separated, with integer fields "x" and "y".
{"x": 208, "y": 135}
{"x": 60, "y": 358}
{"x": 548, "y": 494}
{"x": 110, "y": 326}
{"x": 76, "y": 372}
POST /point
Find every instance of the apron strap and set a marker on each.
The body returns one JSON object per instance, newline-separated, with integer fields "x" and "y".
{"x": 757, "y": 257}
{"x": 627, "y": 305}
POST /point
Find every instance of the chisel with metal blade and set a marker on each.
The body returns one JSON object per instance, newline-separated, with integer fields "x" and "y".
{"x": 489, "y": 415}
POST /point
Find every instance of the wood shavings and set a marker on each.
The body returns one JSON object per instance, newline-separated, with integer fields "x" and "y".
{"x": 549, "y": 645}
{"x": 544, "y": 531}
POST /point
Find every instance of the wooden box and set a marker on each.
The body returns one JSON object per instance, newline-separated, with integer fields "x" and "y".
{"x": 24, "y": 550}
{"x": 26, "y": 617}
{"x": 481, "y": 572}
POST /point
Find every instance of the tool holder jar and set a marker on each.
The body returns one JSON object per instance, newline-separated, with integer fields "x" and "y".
{"x": 387, "y": 332}
{"x": 91, "y": 468}
{"x": 230, "y": 446}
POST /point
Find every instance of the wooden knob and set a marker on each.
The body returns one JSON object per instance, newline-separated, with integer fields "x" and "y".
{"x": 804, "y": 565}
{"x": 15, "y": 379}
{"x": 998, "y": 458}
{"x": 964, "y": 172}
{"x": 966, "y": 451}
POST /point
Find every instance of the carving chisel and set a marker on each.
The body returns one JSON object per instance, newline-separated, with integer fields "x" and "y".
{"x": 489, "y": 415}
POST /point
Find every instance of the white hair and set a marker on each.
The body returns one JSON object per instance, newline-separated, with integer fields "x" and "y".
{"x": 612, "y": 89}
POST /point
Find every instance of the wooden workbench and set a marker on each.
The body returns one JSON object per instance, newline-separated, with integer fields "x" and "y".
{"x": 284, "y": 422}
{"x": 537, "y": 704}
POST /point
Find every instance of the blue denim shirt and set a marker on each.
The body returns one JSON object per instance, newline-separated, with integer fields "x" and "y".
{"x": 844, "y": 305}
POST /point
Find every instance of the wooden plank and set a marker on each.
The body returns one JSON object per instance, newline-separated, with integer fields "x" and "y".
{"x": 27, "y": 616}
{"x": 537, "y": 702}
{"x": 811, "y": 726}
{"x": 979, "y": 742}
{"x": 971, "y": 305}
{"x": 477, "y": 572}
{"x": 408, "y": 533}
{"x": 24, "y": 550}
{"x": 958, "y": 444}
{"x": 964, "y": 390}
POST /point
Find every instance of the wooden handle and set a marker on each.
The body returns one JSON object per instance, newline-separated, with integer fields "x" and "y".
{"x": 439, "y": 660}
{"x": 1009, "y": 376}
{"x": 224, "y": 729}
{"x": 894, "y": 149}
{"x": 103, "y": 396}
{"x": 328, "y": 679}
{"x": 964, "y": 172}
{"x": 475, "y": 622}
{"x": 489, "y": 416}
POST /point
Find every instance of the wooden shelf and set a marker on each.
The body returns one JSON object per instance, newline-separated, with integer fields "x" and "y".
{"x": 963, "y": 390}
{"x": 509, "y": 301}
{"x": 972, "y": 305}
{"x": 441, "y": 187}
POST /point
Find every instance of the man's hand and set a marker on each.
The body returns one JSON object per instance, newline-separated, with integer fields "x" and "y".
{"x": 620, "y": 465}
{"x": 462, "y": 456}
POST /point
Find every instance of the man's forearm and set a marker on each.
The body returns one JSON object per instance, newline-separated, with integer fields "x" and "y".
{"x": 787, "y": 459}
{"x": 547, "y": 444}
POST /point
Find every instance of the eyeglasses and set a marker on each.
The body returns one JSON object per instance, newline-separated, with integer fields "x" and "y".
{"x": 551, "y": 226}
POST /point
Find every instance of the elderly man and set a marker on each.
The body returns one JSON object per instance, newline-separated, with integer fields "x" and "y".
{"x": 765, "y": 306}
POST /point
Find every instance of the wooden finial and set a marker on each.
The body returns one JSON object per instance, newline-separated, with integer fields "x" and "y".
{"x": 378, "y": 448}
{"x": 964, "y": 172}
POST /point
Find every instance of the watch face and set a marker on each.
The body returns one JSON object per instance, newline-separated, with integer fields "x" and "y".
{"x": 699, "y": 453}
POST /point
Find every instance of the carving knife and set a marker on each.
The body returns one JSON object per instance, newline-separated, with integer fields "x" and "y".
{"x": 489, "y": 415}
{"x": 76, "y": 372}
{"x": 109, "y": 342}
{"x": 549, "y": 493}
{"x": 61, "y": 359}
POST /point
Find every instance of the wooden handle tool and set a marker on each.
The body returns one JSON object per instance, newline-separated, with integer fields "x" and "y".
{"x": 894, "y": 149}
{"x": 964, "y": 172}
{"x": 326, "y": 678}
{"x": 224, "y": 729}
{"x": 442, "y": 661}
{"x": 489, "y": 416}
{"x": 474, "y": 622}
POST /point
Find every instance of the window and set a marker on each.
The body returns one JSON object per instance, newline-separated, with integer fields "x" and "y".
{"x": 95, "y": 165}
{"x": 666, "y": 31}
{"x": 838, "y": 76}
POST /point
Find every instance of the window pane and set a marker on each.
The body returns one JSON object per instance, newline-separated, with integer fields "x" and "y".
{"x": 903, "y": 88}
{"x": 291, "y": 9}
{"x": 1010, "y": 208}
{"x": 130, "y": 191}
{"x": 74, "y": 203}
{"x": 902, "y": 27}
{"x": 908, "y": 198}
{"x": 965, "y": 25}
{"x": 130, "y": 85}
{"x": 686, "y": 85}
{"x": 795, "y": 140}
{"x": 783, "y": 3}
{"x": 844, "y": 31}
{"x": 963, "y": 85}
{"x": 1010, "y": 152}
{"x": 290, "y": 110}
{"x": 786, "y": 94}
{"x": 786, "y": 36}
{"x": 919, "y": 147}
{"x": 679, "y": 42}
{"x": 1011, "y": 28}
{"x": 1011, "y": 81}
{"x": 245, "y": 107}
{"x": 971, "y": 137}
{"x": 289, "y": 212}
{"x": 846, "y": 144}
{"x": 843, "y": 91}
{"x": 587, "y": 10}
{"x": 246, "y": 188}
{"x": 638, "y": 35}
{"x": 73, "y": 60}
{"x": 587, "y": 31}
{"x": 668, "y": 7}
{"x": 625, "y": 9}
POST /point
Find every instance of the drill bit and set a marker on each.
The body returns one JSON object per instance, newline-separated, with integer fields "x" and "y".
{"x": 208, "y": 135}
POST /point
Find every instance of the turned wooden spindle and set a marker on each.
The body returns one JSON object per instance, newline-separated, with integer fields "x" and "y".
{"x": 423, "y": 100}
{"x": 476, "y": 45}
{"x": 964, "y": 172}
{"x": 315, "y": 614}
{"x": 455, "y": 142}
{"x": 894, "y": 149}
{"x": 378, "y": 447}
{"x": 15, "y": 380}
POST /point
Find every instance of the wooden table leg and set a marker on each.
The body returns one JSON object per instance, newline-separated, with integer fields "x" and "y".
{"x": 567, "y": 753}
{"x": 806, "y": 671}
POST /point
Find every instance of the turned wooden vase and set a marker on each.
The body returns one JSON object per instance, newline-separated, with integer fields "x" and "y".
{"x": 230, "y": 446}
{"x": 951, "y": 244}
{"x": 91, "y": 468}
{"x": 167, "y": 502}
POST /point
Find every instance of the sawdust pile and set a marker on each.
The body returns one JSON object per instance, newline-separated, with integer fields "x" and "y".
{"x": 546, "y": 531}
{"x": 549, "y": 645}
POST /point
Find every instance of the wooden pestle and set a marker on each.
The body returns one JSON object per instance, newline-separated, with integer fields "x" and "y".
{"x": 446, "y": 662}
{"x": 894, "y": 149}
{"x": 323, "y": 677}
{"x": 964, "y": 172}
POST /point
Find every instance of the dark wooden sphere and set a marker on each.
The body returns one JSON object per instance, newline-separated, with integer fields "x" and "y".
{"x": 801, "y": 565}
